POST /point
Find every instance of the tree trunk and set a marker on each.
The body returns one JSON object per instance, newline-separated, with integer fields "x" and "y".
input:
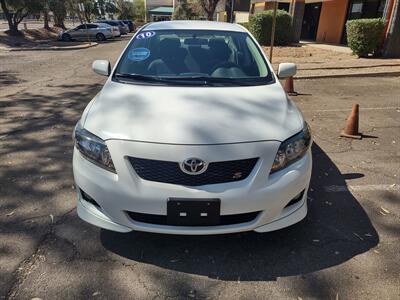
{"x": 46, "y": 19}
{"x": 87, "y": 16}
{"x": 80, "y": 18}
{"x": 46, "y": 15}
{"x": 12, "y": 26}
{"x": 59, "y": 22}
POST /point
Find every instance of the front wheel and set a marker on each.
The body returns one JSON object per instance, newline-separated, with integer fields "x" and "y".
{"x": 100, "y": 37}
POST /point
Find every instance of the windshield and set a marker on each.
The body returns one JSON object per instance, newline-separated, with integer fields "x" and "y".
{"x": 195, "y": 57}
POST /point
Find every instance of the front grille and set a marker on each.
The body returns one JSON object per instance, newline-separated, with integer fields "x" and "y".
{"x": 162, "y": 219}
{"x": 170, "y": 172}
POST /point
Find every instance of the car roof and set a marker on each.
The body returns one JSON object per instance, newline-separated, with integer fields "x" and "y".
{"x": 111, "y": 21}
{"x": 195, "y": 25}
{"x": 101, "y": 23}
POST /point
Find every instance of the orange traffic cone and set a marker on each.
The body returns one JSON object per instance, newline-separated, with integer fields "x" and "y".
{"x": 289, "y": 88}
{"x": 351, "y": 129}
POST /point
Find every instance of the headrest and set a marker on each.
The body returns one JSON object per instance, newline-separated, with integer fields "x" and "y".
{"x": 170, "y": 43}
{"x": 217, "y": 43}
{"x": 169, "y": 48}
{"x": 219, "y": 48}
{"x": 195, "y": 41}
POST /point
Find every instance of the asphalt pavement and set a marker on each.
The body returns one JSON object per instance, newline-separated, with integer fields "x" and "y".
{"x": 346, "y": 248}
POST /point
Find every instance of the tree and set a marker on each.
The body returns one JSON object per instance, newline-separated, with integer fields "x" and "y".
{"x": 90, "y": 9}
{"x": 209, "y": 7}
{"x": 139, "y": 10}
{"x": 45, "y": 9}
{"x": 16, "y": 10}
{"x": 105, "y": 6}
{"x": 73, "y": 9}
{"x": 125, "y": 9}
{"x": 59, "y": 11}
{"x": 96, "y": 9}
{"x": 186, "y": 10}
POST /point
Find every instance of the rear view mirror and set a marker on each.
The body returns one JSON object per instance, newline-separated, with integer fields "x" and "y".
{"x": 286, "y": 70}
{"x": 102, "y": 67}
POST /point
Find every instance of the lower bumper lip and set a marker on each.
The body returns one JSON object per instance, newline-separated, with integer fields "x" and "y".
{"x": 96, "y": 217}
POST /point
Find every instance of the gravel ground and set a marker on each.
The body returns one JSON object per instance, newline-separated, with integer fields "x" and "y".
{"x": 315, "y": 61}
{"x": 347, "y": 247}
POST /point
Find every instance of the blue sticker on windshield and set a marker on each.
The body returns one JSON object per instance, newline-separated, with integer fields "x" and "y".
{"x": 145, "y": 35}
{"x": 139, "y": 54}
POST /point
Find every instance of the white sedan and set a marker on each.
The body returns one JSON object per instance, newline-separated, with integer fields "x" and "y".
{"x": 92, "y": 31}
{"x": 192, "y": 134}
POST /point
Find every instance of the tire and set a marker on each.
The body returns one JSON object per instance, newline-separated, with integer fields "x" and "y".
{"x": 100, "y": 37}
{"x": 66, "y": 37}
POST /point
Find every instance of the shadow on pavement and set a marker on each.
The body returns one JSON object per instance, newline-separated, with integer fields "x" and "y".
{"x": 335, "y": 230}
{"x": 35, "y": 166}
{"x": 7, "y": 78}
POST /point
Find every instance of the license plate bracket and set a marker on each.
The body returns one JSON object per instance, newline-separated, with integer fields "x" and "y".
{"x": 193, "y": 212}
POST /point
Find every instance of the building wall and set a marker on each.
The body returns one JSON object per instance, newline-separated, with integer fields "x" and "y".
{"x": 222, "y": 16}
{"x": 331, "y": 21}
{"x": 241, "y": 17}
{"x": 258, "y": 7}
{"x": 150, "y": 4}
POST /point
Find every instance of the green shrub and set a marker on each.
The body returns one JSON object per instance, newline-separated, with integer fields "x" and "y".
{"x": 261, "y": 24}
{"x": 364, "y": 36}
{"x": 245, "y": 25}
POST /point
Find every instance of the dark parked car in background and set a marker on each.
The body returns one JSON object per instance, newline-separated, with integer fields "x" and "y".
{"x": 130, "y": 24}
{"x": 124, "y": 29}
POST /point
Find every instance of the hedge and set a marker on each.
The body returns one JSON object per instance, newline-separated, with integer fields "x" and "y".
{"x": 261, "y": 24}
{"x": 245, "y": 25}
{"x": 364, "y": 36}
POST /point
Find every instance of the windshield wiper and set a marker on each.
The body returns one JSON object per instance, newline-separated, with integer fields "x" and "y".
{"x": 147, "y": 78}
{"x": 208, "y": 80}
{"x": 138, "y": 77}
{"x": 188, "y": 80}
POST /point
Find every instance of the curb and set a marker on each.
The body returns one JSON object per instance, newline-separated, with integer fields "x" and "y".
{"x": 375, "y": 74}
{"x": 54, "y": 48}
{"x": 346, "y": 68}
{"x": 343, "y": 68}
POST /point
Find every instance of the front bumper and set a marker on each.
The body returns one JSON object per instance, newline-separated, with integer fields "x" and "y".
{"x": 120, "y": 193}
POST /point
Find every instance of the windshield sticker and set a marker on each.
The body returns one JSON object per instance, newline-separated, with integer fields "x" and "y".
{"x": 139, "y": 54}
{"x": 145, "y": 35}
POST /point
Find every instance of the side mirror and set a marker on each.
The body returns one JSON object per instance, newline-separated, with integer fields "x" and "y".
{"x": 101, "y": 67}
{"x": 286, "y": 70}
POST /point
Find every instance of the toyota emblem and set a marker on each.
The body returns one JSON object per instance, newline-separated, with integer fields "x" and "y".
{"x": 193, "y": 166}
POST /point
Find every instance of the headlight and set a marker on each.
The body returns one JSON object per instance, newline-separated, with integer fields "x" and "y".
{"x": 292, "y": 149}
{"x": 93, "y": 148}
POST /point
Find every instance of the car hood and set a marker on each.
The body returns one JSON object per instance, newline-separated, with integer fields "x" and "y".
{"x": 193, "y": 115}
